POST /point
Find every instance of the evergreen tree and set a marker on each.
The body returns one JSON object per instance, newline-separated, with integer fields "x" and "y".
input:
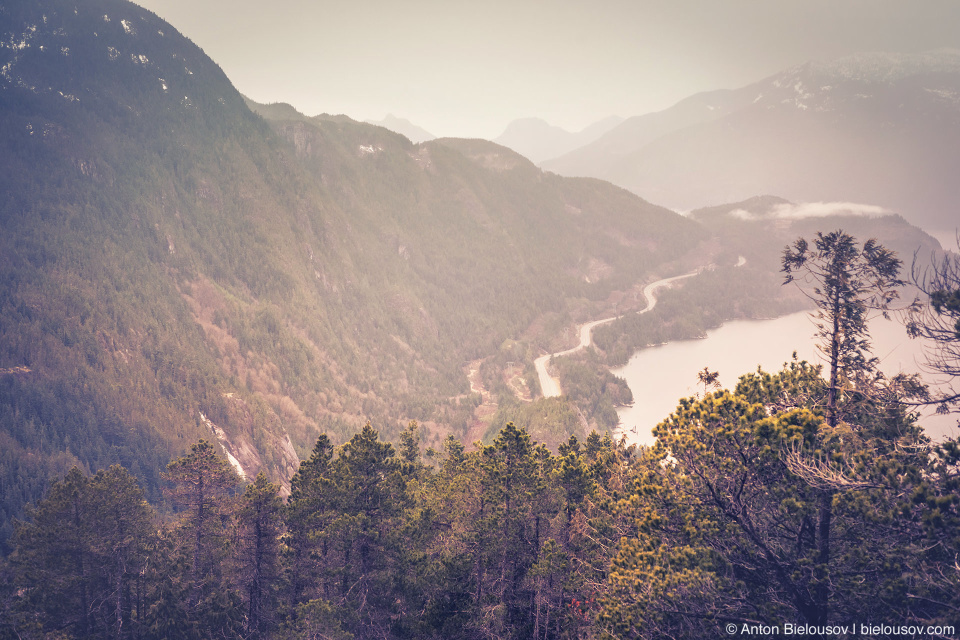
{"x": 202, "y": 484}
{"x": 848, "y": 282}
{"x": 78, "y": 558}
{"x": 260, "y": 525}
{"x": 512, "y": 472}
{"x": 446, "y": 513}
{"x": 936, "y": 317}
{"x": 370, "y": 498}
{"x": 754, "y": 506}
{"x": 310, "y": 509}
{"x": 410, "y": 449}
{"x": 729, "y": 508}
{"x": 346, "y": 517}
{"x": 558, "y": 577}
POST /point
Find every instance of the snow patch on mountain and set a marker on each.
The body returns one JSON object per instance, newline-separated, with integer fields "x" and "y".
{"x": 944, "y": 94}
{"x": 885, "y": 68}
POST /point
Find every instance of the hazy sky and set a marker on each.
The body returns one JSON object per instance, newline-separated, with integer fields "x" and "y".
{"x": 467, "y": 68}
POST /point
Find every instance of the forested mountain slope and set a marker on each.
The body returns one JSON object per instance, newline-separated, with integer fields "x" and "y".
{"x": 173, "y": 267}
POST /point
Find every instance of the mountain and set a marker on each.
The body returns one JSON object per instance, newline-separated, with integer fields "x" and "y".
{"x": 763, "y": 225}
{"x": 538, "y": 140}
{"x": 606, "y": 153}
{"x": 877, "y": 128}
{"x": 404, "y": 127}
{"x": 280, "y": 110}
{"x": 284, "y": 111}
{"x": 747, "y": 281}
{"x": 174, "y": 266}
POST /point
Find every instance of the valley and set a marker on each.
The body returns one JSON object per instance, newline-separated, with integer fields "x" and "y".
{"x": 548, "y": 384}
{"x": 286, "y": 276}
{"x": 273, "y": 375}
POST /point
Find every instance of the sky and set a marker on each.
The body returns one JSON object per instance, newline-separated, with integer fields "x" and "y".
{"x": 468, "y": 68}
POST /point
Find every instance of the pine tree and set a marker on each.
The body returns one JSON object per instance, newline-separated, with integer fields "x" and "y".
{"x": 202, "y": 483}
{"x": 78, "y": 557}
{"x": 370, "y": 497}
{"x": 848, "y": 282}
{"x": 935, "y": 316}
{"x": 345, "y": 517}
{"x": 410, "y": 449}
{"x": 512, "y": 472}
{"x": 729, "y": 510}
{"x": 308, "y": 514}
{"x": 260, "y": 525}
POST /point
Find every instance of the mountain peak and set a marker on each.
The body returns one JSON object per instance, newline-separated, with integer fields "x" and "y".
{"x": 538, "y": 140}
{"x": 885, "y": 67}
{"x": 100, "y": 54}
{"x": 870, "y": 127}
{"x": 404, "y": 127}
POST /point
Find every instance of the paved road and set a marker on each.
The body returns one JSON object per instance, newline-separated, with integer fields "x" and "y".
{"x": 548, "y": 384}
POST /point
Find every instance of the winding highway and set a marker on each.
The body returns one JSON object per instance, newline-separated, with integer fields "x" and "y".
{"x": 548, "y": 384}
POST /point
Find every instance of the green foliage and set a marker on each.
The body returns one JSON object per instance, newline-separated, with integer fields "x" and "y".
{"x": 493, "y": 541}
{"x": 848, "y": 281}
{"x": 346, "y": 521}
{"x": 167, "y": 253}
{"x": 718, "y": 522}
{"x": 316, "y": 619}
{"x": 731, "y": 517}
{"x": 201, "y": 484}
{"x": 79, "y": 557}
{"x": 550, "y": 420}
{"x": 588, "y": 383}
{"x": 947, "y": 303}
{"x": 260, "y": 520}
{"x": 935, "y": 315}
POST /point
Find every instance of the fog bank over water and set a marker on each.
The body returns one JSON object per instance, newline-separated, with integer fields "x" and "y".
{"x": 791, "y": 211}
{"x": 659, "y": 376}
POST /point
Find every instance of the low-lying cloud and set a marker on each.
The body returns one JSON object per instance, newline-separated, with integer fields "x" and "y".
{"x": 790, "y": 211}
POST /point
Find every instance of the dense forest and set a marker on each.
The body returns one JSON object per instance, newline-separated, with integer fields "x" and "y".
{"x": 716, "y": 523}
{"x": 809, "y": 497}
{"x": 177, "y": 266}
{"x": 174, "y": 267}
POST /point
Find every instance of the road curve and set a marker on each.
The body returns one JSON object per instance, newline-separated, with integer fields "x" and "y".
{"x": 549, "y": 385}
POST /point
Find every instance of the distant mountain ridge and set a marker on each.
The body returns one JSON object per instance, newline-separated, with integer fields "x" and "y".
{"x": 404, "y": 127}
{"x": 285, "y": 111}
{"x": 604, "y": 154}
{"x": 538, "y": 140}
{"x": 875, "y": 127}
